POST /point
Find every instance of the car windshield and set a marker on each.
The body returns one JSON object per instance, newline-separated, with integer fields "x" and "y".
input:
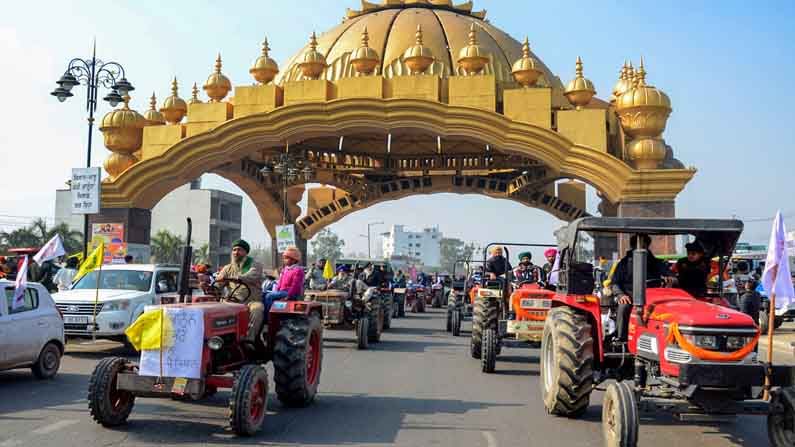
{"x": 116, "y": 279}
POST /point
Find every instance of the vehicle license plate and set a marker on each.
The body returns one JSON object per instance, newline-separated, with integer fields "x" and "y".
{"x": 75, "y": 319}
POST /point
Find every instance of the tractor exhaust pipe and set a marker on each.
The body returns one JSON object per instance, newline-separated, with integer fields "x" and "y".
{"x": 184, "y": 271}
{"x": 639, "y": 256}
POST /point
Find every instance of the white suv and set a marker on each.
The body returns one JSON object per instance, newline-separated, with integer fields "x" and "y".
{"x": 124, "y": 290}
{"x": 32, "y": 334}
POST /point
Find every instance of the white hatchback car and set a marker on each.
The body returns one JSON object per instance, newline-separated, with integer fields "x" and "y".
{"x": 31, "y": 336}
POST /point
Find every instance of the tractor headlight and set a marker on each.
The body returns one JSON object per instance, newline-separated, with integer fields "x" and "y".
{"x": 348, "y": 304}
{"x": 703, "y": 341}
{"x": 736, "y": 342}
{"x": 215, "y": 343}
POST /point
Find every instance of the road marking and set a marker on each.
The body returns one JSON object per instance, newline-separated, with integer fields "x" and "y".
{"x": 54, "y": 427}
{"x": 490, "y": 439}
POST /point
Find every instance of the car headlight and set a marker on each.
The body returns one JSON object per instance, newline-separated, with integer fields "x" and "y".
{"x": 116, "y": 305}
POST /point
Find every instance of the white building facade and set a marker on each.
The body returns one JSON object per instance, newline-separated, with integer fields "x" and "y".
{"x": 423, "y": 246}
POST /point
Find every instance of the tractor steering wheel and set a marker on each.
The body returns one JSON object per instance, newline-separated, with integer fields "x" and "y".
{"x": 231, "y": 296}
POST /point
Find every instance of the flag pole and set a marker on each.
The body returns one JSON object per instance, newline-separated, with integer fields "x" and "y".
{"x": 771, "y": 319}
{"x": 96, "y": 302}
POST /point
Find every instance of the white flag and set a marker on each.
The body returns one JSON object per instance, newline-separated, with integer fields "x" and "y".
{"x": 778, "y": 262}
{"x": 21, "y": 284}
{"x": 51, "y": 250}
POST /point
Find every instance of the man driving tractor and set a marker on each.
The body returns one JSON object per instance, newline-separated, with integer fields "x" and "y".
{"x": 527, "y": 271}
{"x": 243, "y": 277}
{"x": 497, "y": 265}
{"x": 343, "y": 279}
{"x": 621, "y": 282}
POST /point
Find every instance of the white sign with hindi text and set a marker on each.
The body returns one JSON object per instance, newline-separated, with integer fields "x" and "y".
{"x": 184, "y": 357}
{"x": 285, "y": 237}
{"x": 85, "y": 190}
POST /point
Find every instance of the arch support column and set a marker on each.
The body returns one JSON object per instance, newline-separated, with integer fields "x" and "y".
{"x": 650, "y": 209}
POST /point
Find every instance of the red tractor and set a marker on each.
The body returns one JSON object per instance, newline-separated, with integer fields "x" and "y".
{"x": 415, "y": 298}
{"x": 292, "y": 340}
{"x": 507, "y": 310}
{"x": 682, "y": 354}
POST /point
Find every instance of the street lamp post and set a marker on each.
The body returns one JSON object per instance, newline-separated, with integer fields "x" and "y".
{"x": 93, "y": 73}
{"x": 369, "y": 255}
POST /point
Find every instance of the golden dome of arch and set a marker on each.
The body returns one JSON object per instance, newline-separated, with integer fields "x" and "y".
{"x": 392, "y": 27}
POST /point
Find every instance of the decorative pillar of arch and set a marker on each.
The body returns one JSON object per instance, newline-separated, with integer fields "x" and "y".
{"x": 650, "y": 209}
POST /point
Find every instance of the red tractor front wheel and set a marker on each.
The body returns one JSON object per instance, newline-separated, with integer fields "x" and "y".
{"x": 298, "y": 360}
{"x": 249, "y": 401}
{"x": 108, "y": 405}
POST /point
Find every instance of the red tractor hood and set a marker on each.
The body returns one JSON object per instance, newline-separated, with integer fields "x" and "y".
{"x": 676, "y": 305}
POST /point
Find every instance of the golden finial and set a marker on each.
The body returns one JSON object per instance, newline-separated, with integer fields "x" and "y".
{"x": 630, "y": 76}
{"x": 580, "y": 90}
{"x": 264, "y": 69}
{"x": 472, "y": 58}
{"x": 365, "y": 59}
{"x": 640, "y": 75}
{"x": 195, "y": 95}
{"x": 313, "y": 62}
{"x": 643, "y": 112}
{"x": 525, "y": 70}
{"x": 217, "y": 85}
{"x": 174, "y": 108}
{"x": 418, "y": 58}
{"x": 152, "y": 115}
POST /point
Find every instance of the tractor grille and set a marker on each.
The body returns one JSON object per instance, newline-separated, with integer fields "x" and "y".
{"x": 79, "y": 308}
{"x": 677, "y": 356}
{"x": 647, "y": 343}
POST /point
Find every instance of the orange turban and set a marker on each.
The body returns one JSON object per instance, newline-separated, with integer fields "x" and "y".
{"x": 293, "y": 252}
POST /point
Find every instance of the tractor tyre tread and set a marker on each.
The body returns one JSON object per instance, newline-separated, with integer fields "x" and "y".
{"x": 99, "y": 384}
{"x": 240, "y": 399}
{"x": 569, "y": 394}
{"x": 488, "y": 360}
{"x": 362, "y": 340}
{"x": 289, "y": 361}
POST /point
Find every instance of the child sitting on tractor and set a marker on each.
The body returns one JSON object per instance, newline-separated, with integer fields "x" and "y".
{"x": 291, "y": 281}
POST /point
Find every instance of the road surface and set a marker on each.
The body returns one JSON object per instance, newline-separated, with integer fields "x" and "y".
{"x": 418, "y": 387}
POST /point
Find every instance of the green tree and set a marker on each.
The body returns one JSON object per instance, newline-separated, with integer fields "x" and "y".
{"x": 452, "y": 250}
{"x": 166, "y": 247}
{"x": 72, "y": 240}
{"x": 263, "y": 254}
{"x": 201, "y": 255}
{"x": 327, "y": 244}
{"x": 38, "y": 233}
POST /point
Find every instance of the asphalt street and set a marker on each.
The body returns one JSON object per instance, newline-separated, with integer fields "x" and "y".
{"x": 418, "y": 387}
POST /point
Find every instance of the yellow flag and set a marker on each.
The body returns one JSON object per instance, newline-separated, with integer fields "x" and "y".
{"x": 328, "y": 270}
{"x": 151, "y": 331}
{"x": 94, "y": 260}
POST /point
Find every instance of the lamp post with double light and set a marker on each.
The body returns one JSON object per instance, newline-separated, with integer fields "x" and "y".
{"x": 93, "y": 73}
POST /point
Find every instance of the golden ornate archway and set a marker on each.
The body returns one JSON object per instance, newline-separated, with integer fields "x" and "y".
{"x": 410, "y": 97}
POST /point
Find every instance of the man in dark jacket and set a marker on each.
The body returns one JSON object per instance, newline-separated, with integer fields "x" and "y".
{"x": 497, "y": 265}
{"x": 621, "y": 284}
{"x": 751, "y": 301}
{"x": 693, "y": 270}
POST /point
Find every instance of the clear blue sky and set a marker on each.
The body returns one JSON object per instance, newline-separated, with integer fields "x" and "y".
{"x": 727, "y": 67}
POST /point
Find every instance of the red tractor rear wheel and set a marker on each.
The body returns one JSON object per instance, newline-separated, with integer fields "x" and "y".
{"x": 249, "y": 401}
{"x": 108, "y": 405}
{"x": 566, "y": 362}
{"x": 298, "y": 360}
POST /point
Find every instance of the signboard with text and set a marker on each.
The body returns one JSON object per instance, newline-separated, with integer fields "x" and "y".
{"x": 285, "y": 236}
{"x": 85, "y": 190}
